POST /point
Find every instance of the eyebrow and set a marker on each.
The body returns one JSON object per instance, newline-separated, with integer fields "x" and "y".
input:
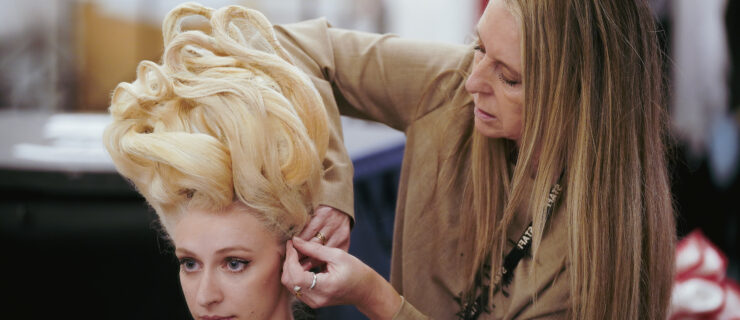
{"x": 183, "y": 251}
{"x": 219, "y": 251}
{"x": 234, "y": 248}
{"x": 503, "y": 64}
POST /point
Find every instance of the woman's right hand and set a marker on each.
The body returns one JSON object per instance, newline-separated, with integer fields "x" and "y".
{"x": 345, "y": 280}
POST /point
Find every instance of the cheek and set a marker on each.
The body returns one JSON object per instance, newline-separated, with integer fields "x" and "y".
{"x": 512, "y": 113}
{"x": 267, "y": 277}
{"x": 257, "y": 290}
{"x": 189, "y": 286}
{"x": 514, "y": 105}
{"x": 272, "y": 275}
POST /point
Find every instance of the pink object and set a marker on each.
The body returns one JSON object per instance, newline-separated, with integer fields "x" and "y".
{"x": 697, "y": 256}
{"x": 731, "y": 310}
{"x": 701, "y": 289}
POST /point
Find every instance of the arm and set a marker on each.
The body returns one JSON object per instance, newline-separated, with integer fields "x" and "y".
{"x": 375, "y": 77}
{"x": 408, "y": 312}
{"x": 381, "y": 78}
{"x": 346, "y": 280}
{"x": 378, "y": 77}
{"x": 334, "y": 205}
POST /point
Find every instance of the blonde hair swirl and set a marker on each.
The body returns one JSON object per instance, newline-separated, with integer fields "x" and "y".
{"x": 226, "y": 117}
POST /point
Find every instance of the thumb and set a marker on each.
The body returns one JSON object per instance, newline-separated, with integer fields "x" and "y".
{"x": 291, "y": 263}
{"x": 315, "y": 250}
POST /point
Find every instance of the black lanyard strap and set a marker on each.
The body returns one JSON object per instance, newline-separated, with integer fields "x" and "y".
{"x": 505, "y": 275}
{"x": 522, "y": 247}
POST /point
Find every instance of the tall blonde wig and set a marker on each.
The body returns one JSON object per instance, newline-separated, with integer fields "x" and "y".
{"x": 593, "y": 109}
{"x": 225, "y": 117}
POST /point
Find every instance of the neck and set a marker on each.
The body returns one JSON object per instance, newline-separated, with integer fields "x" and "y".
{"x": 284, "y": 310}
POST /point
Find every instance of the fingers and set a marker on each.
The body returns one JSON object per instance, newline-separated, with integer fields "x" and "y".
{"x": 294, "y": 271}
{"x": 320, "y": 228}
{"x": 340, "y": 236}
{"x": 346, "y": 280}
{"x": 297, "y": 261}
{"x": 303, "y": 283}
{"x": 292, "y": 266}
{"x": 313, "y": 226}
{"x": 328, "y": 226}
{"x": 321, "y": 238}
{"x": 311, "y": 264}
{"x": 311, "y": 291}
{"x": 314, "y": 250}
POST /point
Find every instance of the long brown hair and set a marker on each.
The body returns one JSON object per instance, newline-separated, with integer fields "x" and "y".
{"x": 593, "y": 109}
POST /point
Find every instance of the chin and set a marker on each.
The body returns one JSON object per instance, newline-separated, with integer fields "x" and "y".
{"x": 488, "y": 130}
{"x": 495, "y": 131}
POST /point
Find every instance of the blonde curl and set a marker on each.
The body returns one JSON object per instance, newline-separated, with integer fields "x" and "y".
{"x": 226, "y": 117}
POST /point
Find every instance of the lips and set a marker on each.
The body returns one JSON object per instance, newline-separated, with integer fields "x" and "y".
{"x": 482, "y": 114}
{"x": 216, "y": 318}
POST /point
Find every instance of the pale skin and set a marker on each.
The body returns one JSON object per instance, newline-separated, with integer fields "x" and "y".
{"x": 496, "y": 86}
{"x": 495, "y": 81}
{"x": 333, "y": 224}
{"x": 230, "y": 265}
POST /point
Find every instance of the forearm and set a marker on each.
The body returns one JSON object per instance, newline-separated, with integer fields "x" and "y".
{"x": 380, "y": 300}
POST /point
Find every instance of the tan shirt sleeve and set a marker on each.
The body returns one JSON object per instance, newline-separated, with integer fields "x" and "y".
{"x": 336, "y": 188}
{"x": 408, "y": 312}
{"x": 370, "y": 76}
{"x": 377, "y": 77}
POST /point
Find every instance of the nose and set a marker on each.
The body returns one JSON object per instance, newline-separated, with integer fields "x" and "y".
{"x": 477, "y": 81}
{"x": 209, "y": 290}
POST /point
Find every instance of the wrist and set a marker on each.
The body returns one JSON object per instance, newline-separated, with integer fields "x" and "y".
{"x": 380, "y": 301}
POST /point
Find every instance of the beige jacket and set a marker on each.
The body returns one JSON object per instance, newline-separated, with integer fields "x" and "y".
{"x": 411, "y": 86}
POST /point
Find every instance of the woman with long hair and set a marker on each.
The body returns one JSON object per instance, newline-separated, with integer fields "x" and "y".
{"x": 534, "y": 181}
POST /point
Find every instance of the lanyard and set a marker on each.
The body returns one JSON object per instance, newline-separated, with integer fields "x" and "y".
{"x": 522, "y": 247}
{"x": 502, "y": 279}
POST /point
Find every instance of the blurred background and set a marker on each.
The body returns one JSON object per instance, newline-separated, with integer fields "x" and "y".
{"x": 75, "y": 238}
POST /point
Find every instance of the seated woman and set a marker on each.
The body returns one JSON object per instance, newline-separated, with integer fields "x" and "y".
{"x": 225, "y": 139}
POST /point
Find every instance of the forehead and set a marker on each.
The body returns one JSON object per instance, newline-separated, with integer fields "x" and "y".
{"x": 209, "y": 231}
{"x": 499, "y": 31}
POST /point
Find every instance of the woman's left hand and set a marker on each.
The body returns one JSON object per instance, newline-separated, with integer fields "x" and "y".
{"x": 328, "y": 226}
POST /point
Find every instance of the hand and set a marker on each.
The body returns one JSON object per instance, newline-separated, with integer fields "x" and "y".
{"x": 346, "y": 280}
{"x": 332, "y": 223}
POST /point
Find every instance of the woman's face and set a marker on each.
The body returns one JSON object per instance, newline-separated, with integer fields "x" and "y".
{"x": 496, "y": 80}
{"x": 230, "y": 265}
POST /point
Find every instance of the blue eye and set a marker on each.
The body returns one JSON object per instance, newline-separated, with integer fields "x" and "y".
{"x": 236, "y": 264}
{"x": 189, "y": 265}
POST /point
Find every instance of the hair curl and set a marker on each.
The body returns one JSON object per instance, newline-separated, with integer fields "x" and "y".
{"x": 226, "y": 117}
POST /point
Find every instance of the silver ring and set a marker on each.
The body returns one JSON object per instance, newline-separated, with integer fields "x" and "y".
{"x": 313, "y": 282}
